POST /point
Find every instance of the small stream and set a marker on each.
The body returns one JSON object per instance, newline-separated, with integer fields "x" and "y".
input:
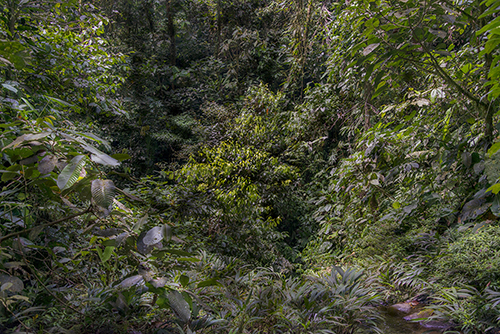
{"x": 395, "y": 324}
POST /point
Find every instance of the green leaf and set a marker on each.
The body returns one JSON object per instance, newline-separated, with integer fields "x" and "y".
{"x": 71, "y": 172}
{"x": 25, "y": 138}
{"x": 396, "y": 205}
{"x": 106, "y": 255}
{"x": 9, "y": 87}
{"x": 104, "y": 159}
{"x": 495, "y": 206}
{"x": 493, "y": 149}
{"x": 47, "y": 164}
{"x": 184, "y": 280}
{"x": 58, "y": 101}
{"x": 208, "y": 282}
{"x": 494, "y": 188}
{"x": 100, "y": 157}
{"x": 369, "y": 49}
{"x": 140, "y": 222}
{"x": 8, "y": 175}
{"x": 162, "y": 302}
{"x": 166, "y": 232}
{"x": 121, "y": 156}
{"x": 188, "y": 259}
{"x": 179, "y": 305}
{"x": 103, "y": 192}
{"x": 13, "y": 52}
{"x": 11, "y": 283}
{"x": 131, "y": 281}
{"x": 145, "y": 248}
{"x": 153, "y": 236}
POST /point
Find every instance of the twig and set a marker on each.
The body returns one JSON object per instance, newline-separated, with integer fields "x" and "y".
{"x": 34, "y": 271}
{"x": 13, "y": 234}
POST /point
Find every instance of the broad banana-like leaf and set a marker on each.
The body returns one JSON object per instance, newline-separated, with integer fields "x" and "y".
{"x": 179, "y": 305}
{"x": 71, "y": 172}
{"x": 103, "y": 193}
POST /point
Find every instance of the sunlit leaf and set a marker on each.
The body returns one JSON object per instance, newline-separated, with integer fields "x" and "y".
{"x": 106, "y": 254}
{"x": 26, "y": 138}
{"x": 70, "y": 174}
{"x": 369, "y": 49}
{"x": 100, "y": 157}
{"x": 103, "y": 192}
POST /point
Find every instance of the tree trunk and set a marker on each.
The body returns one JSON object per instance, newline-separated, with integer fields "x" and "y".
{"x": 219, "y": 29}
{"x": 171, "y": 32}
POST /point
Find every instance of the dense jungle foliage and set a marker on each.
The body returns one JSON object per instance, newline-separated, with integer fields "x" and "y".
{"x": 257, "y": 166}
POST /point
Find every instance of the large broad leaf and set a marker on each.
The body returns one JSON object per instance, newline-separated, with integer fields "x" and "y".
{"x": 14, "y": 53}
{"x": 100, "y": 157}
{"x": 47, "y": 164}
{"x": 106, "y": 254}
{"x": 131, "y": 281}
{"x": 107, "y": 232}
{"x": 370, "y": 48}
{"x": 208, "y": 282}
{"x": 71, "y": 172}
{"x": 146, "y": 248}
{"x": 179, "y": 305}
{"x": 494, "y": 149}
{"x": 25, "y": 138}
{"x": 492, "y": 168}
{"x": 473, "y": 209}
{"x": 121, "y": 156}
{"x": 159, "y": 282}
{"x": 153, "y": 236}
{"x": 11, "y": 283}
{"x": 103, "y": 193}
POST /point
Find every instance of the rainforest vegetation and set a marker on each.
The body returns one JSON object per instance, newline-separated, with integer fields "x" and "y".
{"x": 248, "y": 166}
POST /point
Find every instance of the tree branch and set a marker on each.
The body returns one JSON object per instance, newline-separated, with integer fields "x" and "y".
{"x": 450, "y": 80}
{"x": 13, "y": 234}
